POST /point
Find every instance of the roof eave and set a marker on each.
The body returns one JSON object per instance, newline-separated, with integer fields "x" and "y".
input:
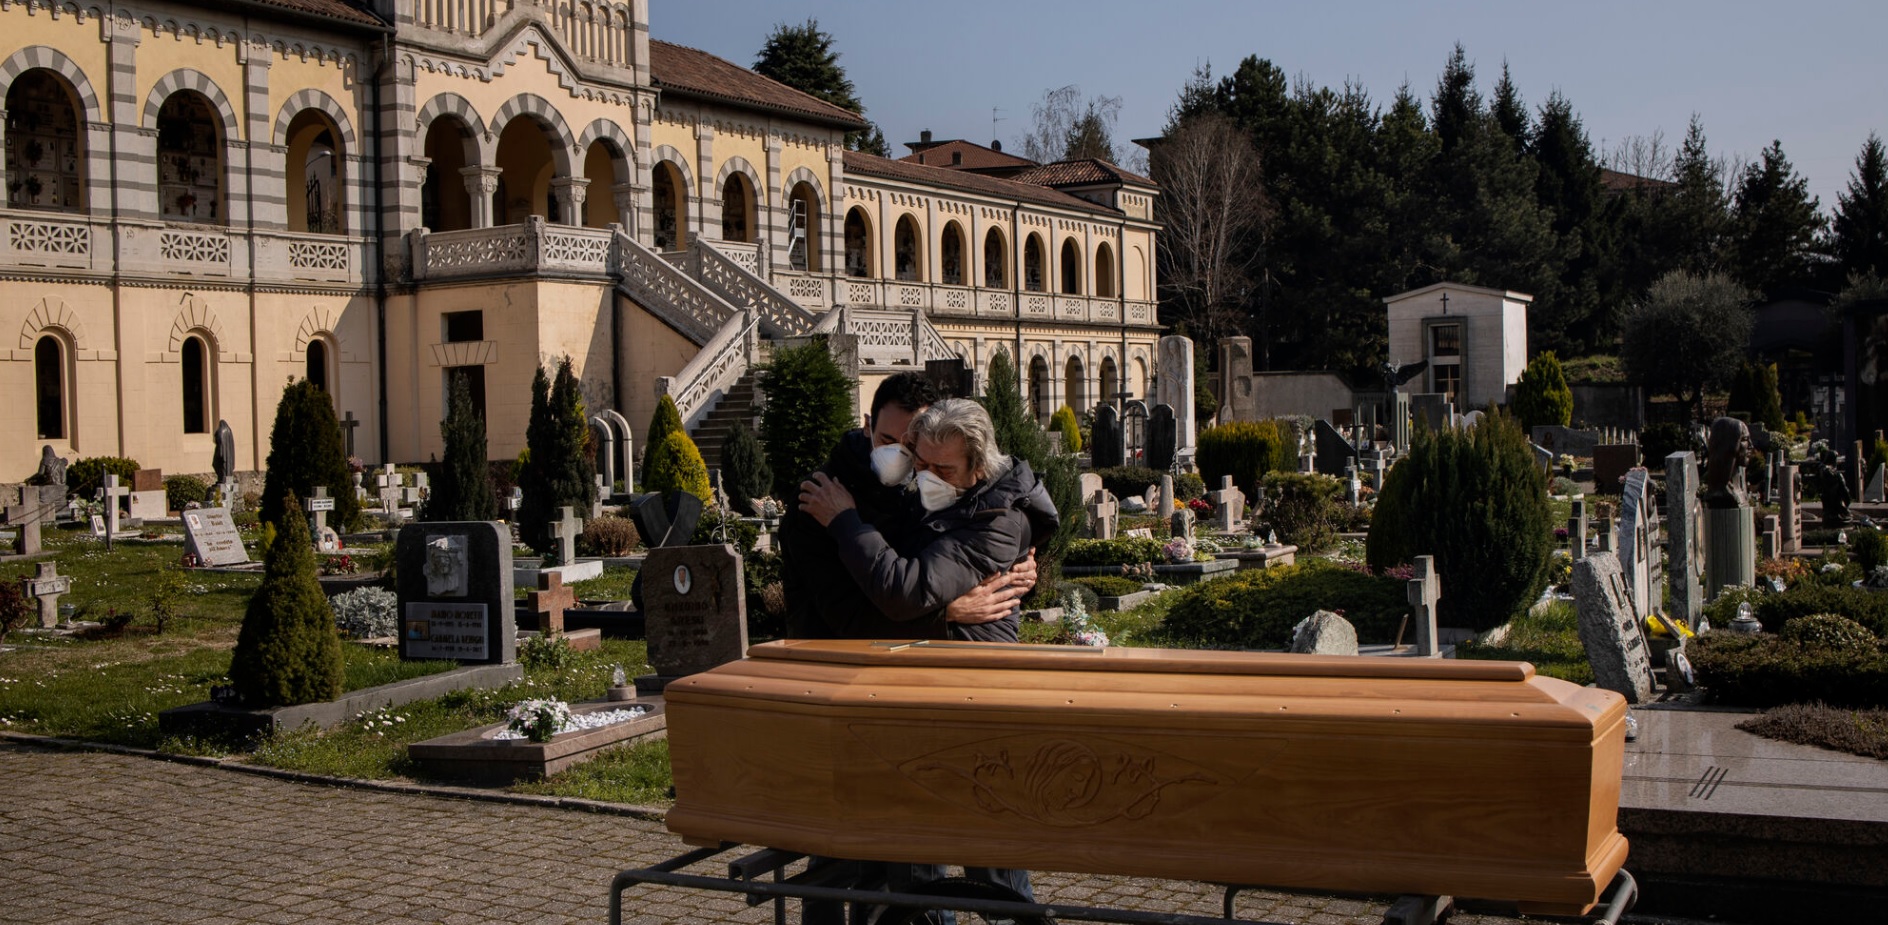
{"x": 829, "y": 121}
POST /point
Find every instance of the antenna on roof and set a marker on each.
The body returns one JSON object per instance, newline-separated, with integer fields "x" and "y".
{"x": 995, "y": 142}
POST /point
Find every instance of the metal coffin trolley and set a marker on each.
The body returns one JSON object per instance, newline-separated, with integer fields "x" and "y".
{"x": 1420, "y": 778}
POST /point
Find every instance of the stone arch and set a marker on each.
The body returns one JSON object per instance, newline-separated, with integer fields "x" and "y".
{"x": 680, "y": 162}
{"x": 319, "y": 322}
{"x": 37, "y": 56}
{"x": 196, "y": 316}
{"x": 738, "y": 164}
{"x": 756, "y": 210}
{"x": 622, "y": 146}
{"x": 546, "y": 115}
{"x": 190, "y": 79}
{"x": 801, "y": 175}
{"x": 52, "y": 313}
{"x": 311, "y": 98}
{"x": 452, "y": 104}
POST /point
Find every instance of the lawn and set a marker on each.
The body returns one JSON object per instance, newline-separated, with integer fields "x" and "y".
{"x": 1549, "y": 638}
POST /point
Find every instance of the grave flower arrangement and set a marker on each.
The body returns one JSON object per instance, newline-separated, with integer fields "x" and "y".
{"x": 538, "y": 720}
{"x": 1178, "y": 549}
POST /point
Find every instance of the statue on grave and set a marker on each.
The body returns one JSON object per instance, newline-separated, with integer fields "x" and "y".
{"x": 224, "y": 462}
{"x": 1725, "y": 454}
{"x": 52, "y": 469}
{"x": 1835, "y": 490}
{"x": 1394, "y": 375}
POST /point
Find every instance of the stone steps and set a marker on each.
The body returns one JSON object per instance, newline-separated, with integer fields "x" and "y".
{"x": 736, "y": 407}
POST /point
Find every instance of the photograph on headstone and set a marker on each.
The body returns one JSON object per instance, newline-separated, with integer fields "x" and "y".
{"x": 210, "y": 536}
{"x": 455, "y": 592}
{"x": 694, "y": 604}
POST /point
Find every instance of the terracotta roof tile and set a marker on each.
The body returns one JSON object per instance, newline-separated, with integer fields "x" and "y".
{"x": 869, "y": 165}
{"x": 1083, "y": 172}
{"x": 331, "y": 9}
{"x": 694, "y": 72}
{"x": 969, "y": 154}
{"x": 1616, "y": 181}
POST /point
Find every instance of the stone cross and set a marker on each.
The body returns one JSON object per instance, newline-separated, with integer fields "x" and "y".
{"x": 111, "y": 493}
{"x": 1576, "y": 529}
{"x": 1607, "y": 536}
{"x": 603, "y": 491}
{"x": 565, "y": 530}
{"x": 1424, "y": 591}
{"x": 1103, "y": 514}
{"x": 1229, "y": 505}
{"x": 28, "y": 514}
{"x": 1352, "y": 485}
{"x": 47, "y": 585}
{"x": 1180, "y": 527}
{"x": 348, "y": 423}
{"x": 549, "y": 601}
{"x": 318, "y": 507}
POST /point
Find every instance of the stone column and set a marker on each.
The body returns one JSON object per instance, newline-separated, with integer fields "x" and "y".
{"x": 1730, "y": 551}
{"x": 480, "y": 184}
{"x": 570, "y": 194}
{"x": 626, "y": 195}
{"x": 1790, "y": 523}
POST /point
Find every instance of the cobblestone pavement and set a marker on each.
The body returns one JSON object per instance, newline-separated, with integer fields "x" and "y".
{"x": 101, "y": 837}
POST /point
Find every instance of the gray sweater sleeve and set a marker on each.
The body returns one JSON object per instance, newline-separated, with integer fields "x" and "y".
{"x": 953, "y": 563}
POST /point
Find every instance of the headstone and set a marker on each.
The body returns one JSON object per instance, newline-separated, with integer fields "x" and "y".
{"x": 603, "y": 492}
{"x": 1770, "y": 542}
{"x": 1324, "y": 633}
{"x": 455, "y": 592}
{"x": 147, "y": 480}
{"x": 1684, "y": 525}
{"x": 1790, "y": 509}
{"x": 549, "y": 601}
{"x": 348, "y": 423}
{"x": 1163, "y": 437}
{"x": 46, "y": 586}
{"x": 38, "y": 504}
{"x": 210, "y": 535}
{"x": 318, "y": 506}
{"x": 1610, "y": 628}
{"x": 1139, "y": 533}
{"x": 1180, "y": 524}
{"x": 1237, "y": 401}
{"x": 1432, "y": 409}
{"x": 1638, "y": 541}
{"x": 149, "y": 505}
{"x": 1543, "y": 458}
{"x": 1425, "y": 590}
{"x": 1576, "y": 530}
{"x": 1107, "y": 450}
{"x": 1174, "y": 388}
{"x": 1090, "y": 482}
{"x": 1133, "y": 504}
{"x": 1610, "y": 462}
{"x": 695, "y": 610}
{"x": 1229, "y": 506}
{"x": 1334, "y": 451}
{"x": 1609, "y": 541}
{"x": 565, "y": 530}
{"x": 110, "y": 495}
{"x": 1874, "y": 492}
{"x": 1167, "y": 496}
{"x": 1353, "y": 487}
{"x": 1103, "y": 514}
{"x": 1398, "y": 409}
{"x": 1730, "y": 549}
{"x": 666, "y": 520}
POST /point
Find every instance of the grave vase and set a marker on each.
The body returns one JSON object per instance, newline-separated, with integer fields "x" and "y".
{"x": 1730, "y": 549}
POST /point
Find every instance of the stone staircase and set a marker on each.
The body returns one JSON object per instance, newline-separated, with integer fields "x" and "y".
{"x": 739, "y": 406}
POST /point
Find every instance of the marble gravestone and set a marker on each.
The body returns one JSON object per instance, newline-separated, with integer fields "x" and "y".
{"x": 1610, "y": 628}
{"x": 1684, "y": 525}
{"x": 455, "y": 590}
{"x": 1638, "y": 542}
{"x": 1106, "y": 450}
{"x": 1610, "y": 462}
{"x": 1174, "y": 388}
{"x": 1789, "y": 509}
{"x": 694, "y": 604}
{"x": 1875, "y": 492}
{"x": 1334, "y": 451}
{"x": 1432, "y": 410}
{"x": 1237, "y": 401}
{"x": 210, "y": 535}
{"x": 667, "y": 519}
{"x": 1163, "y": 436}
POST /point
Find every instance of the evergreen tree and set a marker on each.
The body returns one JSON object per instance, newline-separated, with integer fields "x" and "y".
{"x": 666, "y": 419}
{"x": 675, "y": 464}
{"x": 1510, "y": 113}
{"x": 306, "y": 450}
{"x": 558, "y": 472}
{"x": 1860, "y": 240}
{"x": 744, "y": 471}
{"x": 1016, "y": 430}
{"x": 802, "y": 57}
{"x": 1754, "y": 393}
{"x": 1691, "y": 220}
{"x": 1775, "y": 225}
{"x": 1569, "y": 192}
{"x": 463, "y": 490}
{"x": 1542, "y": 395}
{"x": 809, "y": 407}
{"x": 288, "y": 650}
{"x": 1063, "y": 422}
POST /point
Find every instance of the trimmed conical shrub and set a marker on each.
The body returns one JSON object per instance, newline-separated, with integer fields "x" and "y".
{"x": 306, "y": 450}
{"x": 1474, "y": 499}
{"x": 1542, "y": 396}
{"x": 676, "y": 464}
{"x": 744, "y": 470}
{"x": 463, "y": 490}
{"x": 1064, "y": 422}
{"x": 665, "y": 421}
{"x": 288, "y": 650}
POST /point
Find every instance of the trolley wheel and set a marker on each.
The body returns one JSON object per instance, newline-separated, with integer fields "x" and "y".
{"x": 957, "y": 888}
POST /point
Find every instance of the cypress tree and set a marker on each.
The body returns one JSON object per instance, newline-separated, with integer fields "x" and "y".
{"x": 1017, "y": 432}
{"x": 809, "y": 407}
{"x": 665, "y": 421}
{"x": 675, "y": 464}
{"x": 288, "y": 651}
{"x": 1063, "y": 422}
{"x": 744, "y": 470}
{"x": 306, "y": 450}
{"x": 558, "y": 472}
{"x": 463, "y": 490}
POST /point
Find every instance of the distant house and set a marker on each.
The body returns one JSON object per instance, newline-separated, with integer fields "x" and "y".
{"x": 1474, "y": 340}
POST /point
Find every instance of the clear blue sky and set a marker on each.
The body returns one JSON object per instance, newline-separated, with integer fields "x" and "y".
{"x": 1812, "y": 73}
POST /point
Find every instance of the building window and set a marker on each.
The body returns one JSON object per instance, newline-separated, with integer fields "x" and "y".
{"x": 1110, "y": 381}
{"x": 670, "y": 206}
{"x": 803, "y": 228}
{"x": 952, "y": 258}
{"x": 1075, "y": 386}
{"x": 314, "y": 174}
{"x": 737, "y": 211}
{"x": 317, "y": 363}
{"x": 1039, "y": 388}
{"x": 464, "y": 327}
{"x": 45, "y": 167}
{"x": 1071, "y": 268}
{"x": 445, "y": 202}
{"x": 905, "y": 246}
{"x": 1104, "y": 272}
{"x": 1032, "y": 264}
{"x": 49, "y": 387}
{"x": 858, "y": 244}
{"x": 196, "y": 385}
{"x": 189, "y": 159}
{"x": 474, "y": 379}
{"x": 996, "y": 262}
{"x": 1445, "y": 359}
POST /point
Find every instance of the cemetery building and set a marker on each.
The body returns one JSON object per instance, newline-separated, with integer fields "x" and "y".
{"x": 207, "y": 200}
{"x": 1474, "y": 340}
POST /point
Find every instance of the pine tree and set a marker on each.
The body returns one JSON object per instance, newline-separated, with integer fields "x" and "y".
{"x": 306, "y": 450}
{"x": 558, "y": 472}
{"x": 664, "y": 421}
{"x": 288, "y": 650}
{"x": 463, "y": 490}
{"x": 1017, "y": 432}
{"x": 809, "y": 407}
{"x": 1568, "y": 189}
{"x": 1860, "y": 239}
{"x": 1691, "y": 220}
{"x": 802, "y": 57}
{"x": 1775, "y": 224}
{"x": 744, "y": 470}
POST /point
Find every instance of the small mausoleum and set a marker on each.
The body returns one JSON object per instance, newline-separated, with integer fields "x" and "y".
{"x": 1474, "y": 339}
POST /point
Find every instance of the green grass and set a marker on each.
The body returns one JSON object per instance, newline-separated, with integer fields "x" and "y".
{"x": 1549, "y": 639}
{"x": 1137, "y": 626}
{"x": 635, "y": 774}
{"x": 612, "y": 585}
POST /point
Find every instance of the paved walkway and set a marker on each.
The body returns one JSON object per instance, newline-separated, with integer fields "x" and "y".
{"x": 100, "y": 837}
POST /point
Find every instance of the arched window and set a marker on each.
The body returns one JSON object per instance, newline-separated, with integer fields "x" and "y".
{"x": 45, "y": 166}
{"x": 190, "y": 159}
{"x": 1039, "y": 388}
{"x": 1140, "y": 378}
{"x": 317, "y": 365}
{"x": 1104, "y": 271}
{"x": 526, "y": 170}
{"x": 1071, "y": 267}
{"x": 671, "y": 208}
{"x": 737, "y": 210}
{"x": 1032, "y": 264}
{"x": 905, "y": 246}
{"x": 49, "y": 386}
{"x": 803, "y": 225}
{"x": 951, "y": 257}
{"x": 1110, "y": 381}
{"x": 858, "y": 244}
{"x": 1075, "y": 386}
{"x": 197, "y": 385}
{"x": 314, "y": 174}
{"x": 445, "y": 203}
{"x": 996, "y": 261}
{"x": 599, "y": 166}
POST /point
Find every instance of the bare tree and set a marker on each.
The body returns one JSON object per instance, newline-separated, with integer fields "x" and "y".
{"x": 1066, "y": 124}
{"x": 1213, "y": 204}
{"x": 1645, "y": 156}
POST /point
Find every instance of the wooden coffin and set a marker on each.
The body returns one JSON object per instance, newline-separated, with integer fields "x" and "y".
{"x": 1459, "y": 778}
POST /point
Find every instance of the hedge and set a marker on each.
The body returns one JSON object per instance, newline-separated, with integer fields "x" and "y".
{"x": 1257, "y": 609}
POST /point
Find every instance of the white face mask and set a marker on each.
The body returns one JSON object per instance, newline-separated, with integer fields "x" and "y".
{"x": 892, "y": 464}
{"x": 935, "y": 493}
